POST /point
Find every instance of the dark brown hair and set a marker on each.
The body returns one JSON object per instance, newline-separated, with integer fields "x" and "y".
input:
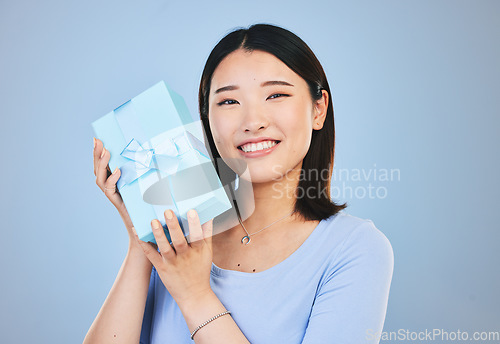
{"x": 295, "y": 53}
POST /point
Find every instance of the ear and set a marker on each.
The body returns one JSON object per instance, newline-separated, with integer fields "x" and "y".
{"x": 320, "y": 109}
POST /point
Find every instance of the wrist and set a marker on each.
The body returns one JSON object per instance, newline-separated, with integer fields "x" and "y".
{"x": 136, "y": 253}
{"x": 199, "y": 308}
{"x": 197, "y": 300}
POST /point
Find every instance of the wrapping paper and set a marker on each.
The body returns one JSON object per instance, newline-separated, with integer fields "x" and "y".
{"x": 163, "y": 161}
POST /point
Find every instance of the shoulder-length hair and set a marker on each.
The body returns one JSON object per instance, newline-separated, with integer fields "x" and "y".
{"x": 316, "y": 203}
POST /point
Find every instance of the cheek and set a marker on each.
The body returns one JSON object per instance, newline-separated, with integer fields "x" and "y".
{"x": 299, "y": 111}
{"x": 301, "y": 138}
{"x": 299, "y": 120}
{"x": 215, "y": 127}
{"x": 221, "y": 130}
{"x": 299, "y": 129}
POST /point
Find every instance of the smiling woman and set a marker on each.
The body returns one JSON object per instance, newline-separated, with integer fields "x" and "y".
{"x": 293, "y": 91}
{"x": 297, "y": 269}
{"x": 282, "y": 105}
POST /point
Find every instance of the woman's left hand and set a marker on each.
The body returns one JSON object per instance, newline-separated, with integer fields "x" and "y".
{"x": 184, "y": 268}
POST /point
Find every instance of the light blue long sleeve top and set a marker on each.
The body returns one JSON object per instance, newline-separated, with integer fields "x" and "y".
{"x": 333, "y": 289}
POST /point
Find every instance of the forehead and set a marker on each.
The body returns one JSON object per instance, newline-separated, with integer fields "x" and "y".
{"x": 242, "y": 66}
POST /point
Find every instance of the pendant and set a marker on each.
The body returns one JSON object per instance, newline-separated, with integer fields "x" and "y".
{"x": 246, "y": 237}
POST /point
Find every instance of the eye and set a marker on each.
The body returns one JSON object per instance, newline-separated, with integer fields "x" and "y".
{"x": 278, "y": 95}
{"x": 227, "y": 102}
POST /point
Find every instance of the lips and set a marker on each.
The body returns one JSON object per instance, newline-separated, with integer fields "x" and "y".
{"x": 261, "y": 151}
{"x": 257, "y": 140}
{"x": 262, "y": 145}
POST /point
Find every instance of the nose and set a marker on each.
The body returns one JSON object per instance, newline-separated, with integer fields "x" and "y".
{"x": 255, "y": 118}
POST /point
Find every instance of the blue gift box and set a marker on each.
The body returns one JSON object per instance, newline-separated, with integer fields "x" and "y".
{"x": 163, "y": 161}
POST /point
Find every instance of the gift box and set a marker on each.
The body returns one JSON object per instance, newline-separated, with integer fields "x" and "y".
{"x": 164, "y": 163}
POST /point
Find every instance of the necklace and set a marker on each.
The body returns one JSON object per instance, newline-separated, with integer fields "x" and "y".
{"x": 247, "y": 237}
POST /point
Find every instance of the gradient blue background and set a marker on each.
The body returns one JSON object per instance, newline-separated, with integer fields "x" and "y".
{"x": 415, "y": 87}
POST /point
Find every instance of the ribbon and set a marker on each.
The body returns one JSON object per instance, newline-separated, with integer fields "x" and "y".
{"x": 165, "y": 155}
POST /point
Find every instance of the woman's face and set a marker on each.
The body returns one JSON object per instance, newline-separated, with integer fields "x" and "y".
{"x": 255, "y": 97}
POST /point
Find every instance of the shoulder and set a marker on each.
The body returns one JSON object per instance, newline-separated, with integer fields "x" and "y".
{"x": 360, "y": 241}
{"x": 356, "y": 231}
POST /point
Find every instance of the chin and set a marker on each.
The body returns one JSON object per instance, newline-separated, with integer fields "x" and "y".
{"x": 263, "y": 174}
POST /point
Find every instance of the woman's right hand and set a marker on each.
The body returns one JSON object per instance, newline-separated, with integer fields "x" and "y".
{"x": 106, "y": 181}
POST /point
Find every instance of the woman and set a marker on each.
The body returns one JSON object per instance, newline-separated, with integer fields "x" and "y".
{"x": 298, "y": 269}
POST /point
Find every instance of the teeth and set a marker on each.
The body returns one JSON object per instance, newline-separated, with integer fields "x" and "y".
{"x": 253, "y": 147}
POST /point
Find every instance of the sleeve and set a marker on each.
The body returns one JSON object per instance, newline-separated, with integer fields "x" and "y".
{"x": 148, "y": 311}
{"x": 351, "y": 303}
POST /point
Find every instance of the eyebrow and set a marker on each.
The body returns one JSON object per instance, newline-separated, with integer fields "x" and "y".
{"x": 267, "y": 83}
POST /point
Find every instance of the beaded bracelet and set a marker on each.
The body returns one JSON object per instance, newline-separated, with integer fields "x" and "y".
{"x": 206, "y": 322}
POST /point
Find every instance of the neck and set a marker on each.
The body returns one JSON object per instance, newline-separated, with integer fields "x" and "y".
{"x": 272, "y": 200}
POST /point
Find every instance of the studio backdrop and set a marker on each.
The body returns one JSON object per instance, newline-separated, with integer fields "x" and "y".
{"x": 415, "y": 94}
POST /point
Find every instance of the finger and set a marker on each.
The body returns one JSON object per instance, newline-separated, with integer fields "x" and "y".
{"x": 94, "y": 153}
{"x": 195, "y": 232}
{"x": 98, "y": 146}
{"x": 151, "y": 253}
{"x": 161, "y": 240}
{"x": 175, "y": 230}
{"x": 101, "y": 172}
{"x": 134, "y": 232}
{"x": 207, "y": 229}
{"x": 110, "y": 183}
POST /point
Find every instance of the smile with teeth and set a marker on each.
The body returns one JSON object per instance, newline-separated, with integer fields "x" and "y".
{"x": 253, "y": 147}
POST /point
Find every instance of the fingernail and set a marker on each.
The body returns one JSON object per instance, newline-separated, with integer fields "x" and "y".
{"x": 94, "y": 142}
{"x": 192, "y": 214}
{"x": 169, "y": 215}
{"x": 157, "y": 224}
{"x": 103, "y": 151}
{"x": 116, "y": 169}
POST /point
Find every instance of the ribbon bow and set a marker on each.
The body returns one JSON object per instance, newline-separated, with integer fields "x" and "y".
{"x": 165, "y": 155}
